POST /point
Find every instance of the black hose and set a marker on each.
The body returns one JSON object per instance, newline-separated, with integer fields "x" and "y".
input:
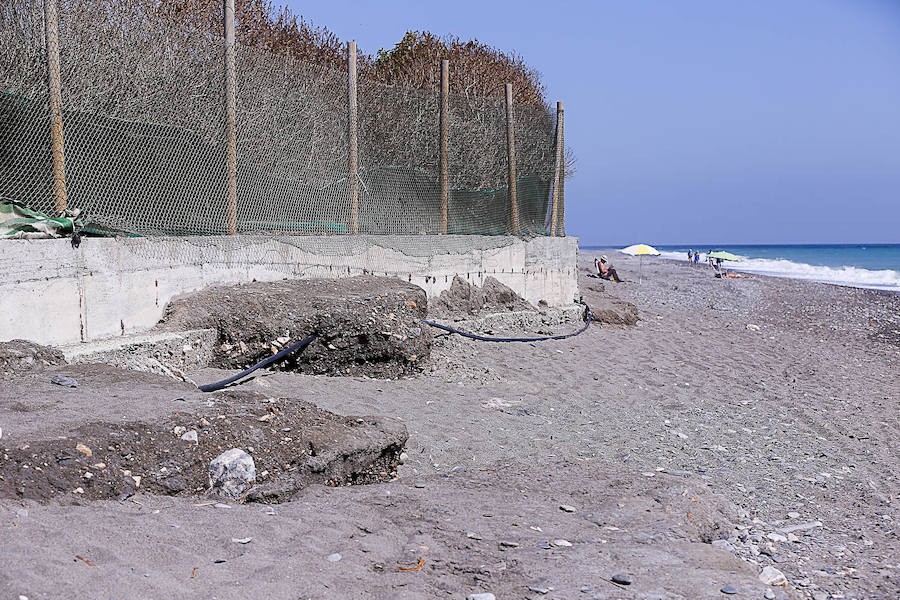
{"x": 212, "y": 387}
{"x": 544, "y": 338}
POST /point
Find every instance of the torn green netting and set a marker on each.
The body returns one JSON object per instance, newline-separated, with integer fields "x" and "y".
{"x": 17, "y": 221}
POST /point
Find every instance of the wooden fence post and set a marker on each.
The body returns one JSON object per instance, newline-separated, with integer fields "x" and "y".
{"x": 511, "y": 154}
{"x": 561, "y": 213}
{"x": 352, "y": 132}
{"x": 557, "y": 172}
{"x": 57, "y": 148}
{"x": 230, "y": 121}
{"x": 445, "y": 142}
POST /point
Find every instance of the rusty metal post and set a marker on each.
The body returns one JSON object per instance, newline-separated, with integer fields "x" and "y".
{"x": 557, "y": 171}
{"x": 352, "y": 133}
{"x": 230, "y": 120}
{"x": 561, "y": 126}
{"x": 57, "y": 148}
{"x": 445, "y": 143}
{"x": 511, "y": 154}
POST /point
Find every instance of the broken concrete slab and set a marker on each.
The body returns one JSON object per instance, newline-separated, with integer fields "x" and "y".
{"x": 363, "y": 325}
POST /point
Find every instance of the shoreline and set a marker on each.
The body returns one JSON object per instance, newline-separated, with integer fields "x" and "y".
{"x": 887, "y": 288}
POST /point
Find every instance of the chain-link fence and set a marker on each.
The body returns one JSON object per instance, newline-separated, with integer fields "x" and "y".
{"x": 144, "y": 129}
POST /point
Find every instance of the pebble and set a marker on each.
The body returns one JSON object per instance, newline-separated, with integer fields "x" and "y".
{"x": 727, "y": 589}
{"x": 481, "y": 596}
{"x": 792, "y": 515}
{"x": 772, "y": 576}
{"x": 21, "y": 597}
{"x": 190, "y": 436}
{"x": 777, "y": 537}
{"x": 22, "y": 512}
{"x": 769, "y": 595}
{"x": 801, "y": 527}
{"x": 403, "y": 458}
{"x": 539, "y": 590}
{"x": 84, "y": 450}
{"x": 561, "y": 543}
{"x": 419, "y": 485}
{"x": 334, "y": 557}
{"x": 241, "y": 540}
{"x": 621, "y": 579}
{"x": 567, "y": 508}
{"x": 178, "y": 430}
{"x": 820, "y": 595}
{"x": 508, "y": 544}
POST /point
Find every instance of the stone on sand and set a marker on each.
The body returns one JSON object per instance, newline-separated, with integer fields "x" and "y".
{"x": 232, "y": 473}
{"x": 772, "y": 576}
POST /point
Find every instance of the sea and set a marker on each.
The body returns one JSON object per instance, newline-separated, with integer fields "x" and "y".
{"x": 875, "y": 266}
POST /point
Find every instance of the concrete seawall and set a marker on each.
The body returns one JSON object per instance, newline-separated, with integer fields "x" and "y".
{"x": 52, "y": 293}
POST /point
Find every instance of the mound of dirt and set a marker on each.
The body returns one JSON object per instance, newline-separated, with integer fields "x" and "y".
{"x": 21, "y": 356}
{"x": 363, "y": 325}
{"x": 464, "y": 298}
{"x": 612, "y": 311}
{"x": 293, "y": 443}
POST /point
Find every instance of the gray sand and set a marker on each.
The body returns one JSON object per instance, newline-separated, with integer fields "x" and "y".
{"x": 687, "y": 429}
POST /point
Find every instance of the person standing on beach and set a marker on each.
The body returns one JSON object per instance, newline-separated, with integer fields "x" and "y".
{"x": 697, "y": 257}
{"x": 690, "y": 255}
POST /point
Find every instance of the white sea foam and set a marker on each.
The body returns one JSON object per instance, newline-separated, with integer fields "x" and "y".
{"x": 883, "y": 279}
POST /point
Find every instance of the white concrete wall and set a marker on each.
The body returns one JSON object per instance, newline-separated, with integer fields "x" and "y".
{"x": 52, "y": 293}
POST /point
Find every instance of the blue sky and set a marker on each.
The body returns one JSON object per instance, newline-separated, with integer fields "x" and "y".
{"x": 695, "y": 120}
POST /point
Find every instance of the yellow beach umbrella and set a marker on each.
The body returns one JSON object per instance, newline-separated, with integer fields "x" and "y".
{"x": 641, "y": 250}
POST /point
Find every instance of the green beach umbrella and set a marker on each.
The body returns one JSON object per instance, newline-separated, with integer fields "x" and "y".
{"x": 724, "y": 255}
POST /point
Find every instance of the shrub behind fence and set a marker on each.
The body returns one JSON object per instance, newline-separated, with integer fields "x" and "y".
{"x": 144, "y": 130}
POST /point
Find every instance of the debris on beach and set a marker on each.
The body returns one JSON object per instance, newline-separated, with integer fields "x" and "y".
{"x": 114, "y": 459}
{"x": 21, "y": 356}
{"x": 465, "y": 299}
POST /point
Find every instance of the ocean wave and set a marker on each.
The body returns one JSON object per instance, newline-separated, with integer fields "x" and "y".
{"x": 884, "y": 279}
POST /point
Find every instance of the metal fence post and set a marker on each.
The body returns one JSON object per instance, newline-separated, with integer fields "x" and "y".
{"x": 511, "y": 154}
{"x": 352, "y": 127}
{"x": 57, "y": 148}
{"x": 561, "y": 213}
{"x": 230, "y": 120}
{"x": 445, "y": 142}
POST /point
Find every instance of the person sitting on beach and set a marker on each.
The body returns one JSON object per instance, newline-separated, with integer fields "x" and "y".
{"x": 606, "y": 270}
{"x": 719, "y": 269}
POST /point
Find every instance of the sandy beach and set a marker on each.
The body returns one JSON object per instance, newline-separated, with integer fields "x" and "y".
{"x": 739, "y": 425}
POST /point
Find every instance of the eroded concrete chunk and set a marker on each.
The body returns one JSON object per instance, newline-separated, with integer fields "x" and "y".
{"x": 362, "y": 325}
